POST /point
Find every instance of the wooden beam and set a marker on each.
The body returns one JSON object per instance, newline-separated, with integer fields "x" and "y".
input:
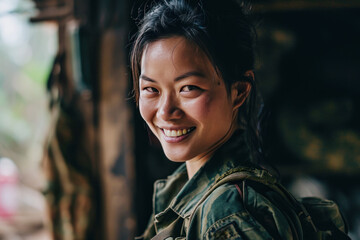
{"x": 282, "y": 6}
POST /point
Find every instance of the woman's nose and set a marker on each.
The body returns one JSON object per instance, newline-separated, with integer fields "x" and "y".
{"x": 169, "y": 109}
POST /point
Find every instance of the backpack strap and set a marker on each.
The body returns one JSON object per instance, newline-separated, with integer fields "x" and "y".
{"x": 170, "y": 231}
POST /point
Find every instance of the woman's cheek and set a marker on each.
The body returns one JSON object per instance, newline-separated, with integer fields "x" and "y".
{"x": 199, "y": 107}
{"x": 146, "y": 108}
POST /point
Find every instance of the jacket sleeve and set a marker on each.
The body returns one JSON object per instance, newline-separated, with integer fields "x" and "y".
{"x": 224, "y": 216}
{"x": 236, "y": 226}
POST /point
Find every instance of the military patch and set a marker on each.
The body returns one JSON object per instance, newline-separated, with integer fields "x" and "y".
{"x": 227, "y": 232}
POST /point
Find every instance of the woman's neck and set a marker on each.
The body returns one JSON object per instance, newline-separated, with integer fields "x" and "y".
{"x": 193, "y": 165}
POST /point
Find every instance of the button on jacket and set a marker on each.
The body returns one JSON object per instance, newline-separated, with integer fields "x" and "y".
{"x": 223, "y": 214}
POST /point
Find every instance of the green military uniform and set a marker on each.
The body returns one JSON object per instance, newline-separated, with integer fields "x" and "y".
{"x": 179, "y": 205}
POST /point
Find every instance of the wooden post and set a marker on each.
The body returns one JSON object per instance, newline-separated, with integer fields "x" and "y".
{"x": 116, "y": 133}
{"x": 90, "y": 155}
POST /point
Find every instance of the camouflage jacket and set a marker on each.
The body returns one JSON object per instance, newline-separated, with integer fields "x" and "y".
{"x": 224, "y": 214}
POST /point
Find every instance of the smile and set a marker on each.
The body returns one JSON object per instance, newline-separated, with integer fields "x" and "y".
{"x": 177, "y": 133}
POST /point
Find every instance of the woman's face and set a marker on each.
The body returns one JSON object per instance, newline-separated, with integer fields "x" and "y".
{"x": 182, "y": 99}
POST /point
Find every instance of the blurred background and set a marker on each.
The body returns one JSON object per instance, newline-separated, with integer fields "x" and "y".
{"x": 76, "y": 161}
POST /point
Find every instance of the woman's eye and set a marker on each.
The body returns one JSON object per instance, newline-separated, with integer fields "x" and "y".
{"x": 191, "y": 91}
{"x": 189, "y": 88}
{"x": 150, "y": 89}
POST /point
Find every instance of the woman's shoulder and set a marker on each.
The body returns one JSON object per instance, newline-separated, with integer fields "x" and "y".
{"x": 223, "y": 215}
{"x": 223, "y": 201}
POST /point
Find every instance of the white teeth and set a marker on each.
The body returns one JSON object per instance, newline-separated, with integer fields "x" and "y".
{"x": 176, "y": 133}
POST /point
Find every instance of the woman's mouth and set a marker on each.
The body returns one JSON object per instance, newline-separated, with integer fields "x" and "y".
{"x": 176, "y": 135}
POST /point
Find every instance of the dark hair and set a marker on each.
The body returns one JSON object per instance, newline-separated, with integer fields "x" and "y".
{"x": 223, "y": 31}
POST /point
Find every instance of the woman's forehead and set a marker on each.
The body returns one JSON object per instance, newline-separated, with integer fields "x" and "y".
{"x": 176, "y": 46}
{"x": 178, "y": 51}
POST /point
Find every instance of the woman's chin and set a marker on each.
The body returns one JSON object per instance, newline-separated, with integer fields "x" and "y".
{"x": 175, "y": 157}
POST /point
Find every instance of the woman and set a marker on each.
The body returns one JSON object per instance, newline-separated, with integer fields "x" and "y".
{"x": 192, "y": 64}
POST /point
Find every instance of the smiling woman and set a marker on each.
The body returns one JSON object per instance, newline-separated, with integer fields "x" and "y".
{"x": 192, "y": 65}
{"x": 185, "y": 102}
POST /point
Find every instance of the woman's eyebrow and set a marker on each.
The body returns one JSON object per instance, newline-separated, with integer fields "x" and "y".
{"x": 179, "y": 78}
{"x": 143, "y": 77}
{"x": 189, "y": 74}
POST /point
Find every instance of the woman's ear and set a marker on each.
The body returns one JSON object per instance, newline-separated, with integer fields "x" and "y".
{"x": 240, "y": 90}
